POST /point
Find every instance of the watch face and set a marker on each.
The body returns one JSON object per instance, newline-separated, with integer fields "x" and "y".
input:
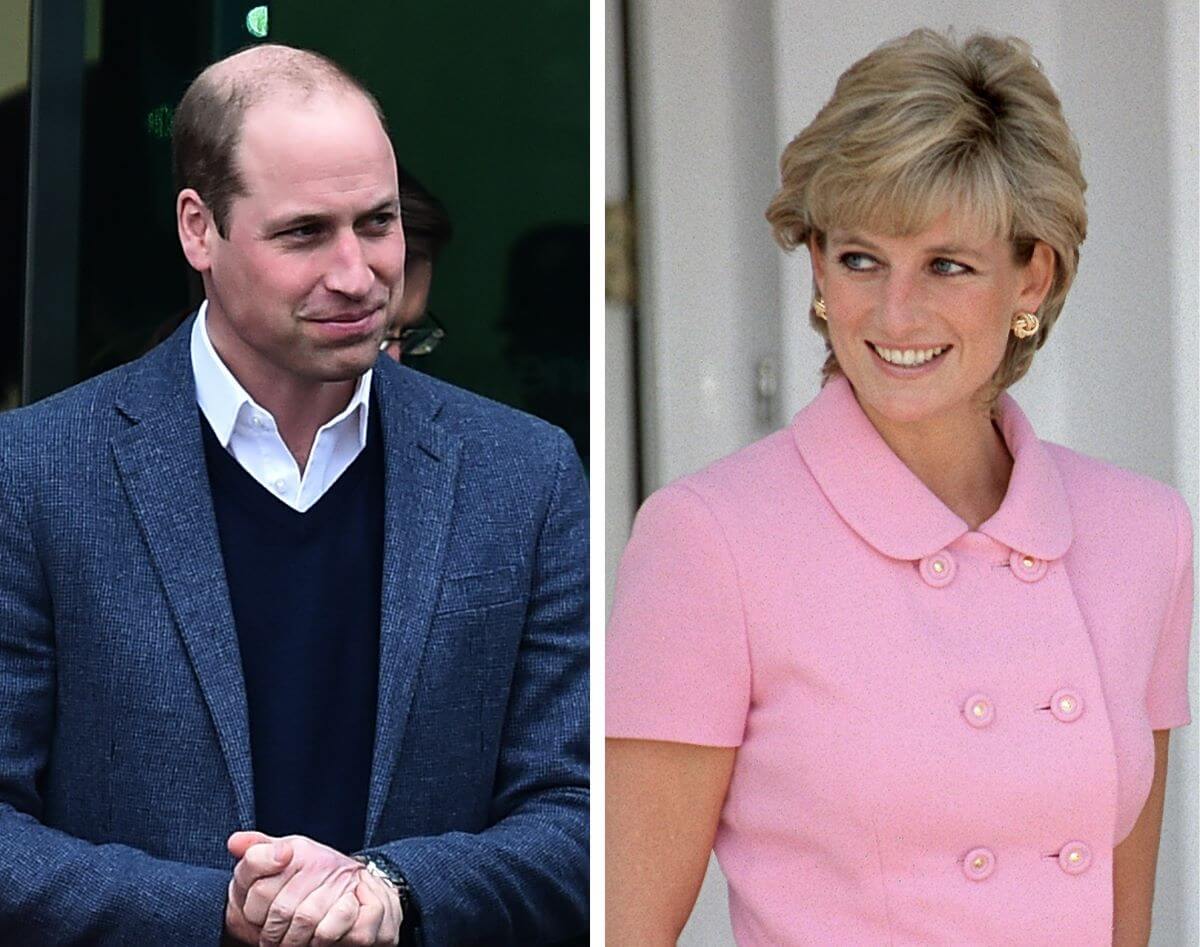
{"x": 395, "y": 880}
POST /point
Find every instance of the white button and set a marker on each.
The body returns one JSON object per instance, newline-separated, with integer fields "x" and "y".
{"x": 1066, "y": 705}
{"x": 979, "y": 863}
{"x": 937, "y": 570}
{"x": 978, "y": 710}
{"x": 1075, "y": 858}
{"x": 257, "y": 421}
{"x": 280, "y": 485}
{"x": 1025, "y": 567}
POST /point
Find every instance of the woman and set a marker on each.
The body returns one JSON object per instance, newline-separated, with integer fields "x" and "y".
{"x": 911, "y": 668}
{"x": 427, "y": 229}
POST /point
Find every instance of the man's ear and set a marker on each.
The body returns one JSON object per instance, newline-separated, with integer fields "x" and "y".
{"x": 197, "y": 229}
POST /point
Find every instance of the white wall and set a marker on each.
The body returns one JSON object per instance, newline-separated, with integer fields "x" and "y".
{"x": 703, "y": 171}
{"x": 620, "y": 449}
{"x": 717, "y": 89}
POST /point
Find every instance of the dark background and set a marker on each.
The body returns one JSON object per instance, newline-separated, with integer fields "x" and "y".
{"x": 487, "y": 106}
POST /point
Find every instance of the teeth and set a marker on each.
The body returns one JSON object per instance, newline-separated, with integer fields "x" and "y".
{"x": 908, "y": 357}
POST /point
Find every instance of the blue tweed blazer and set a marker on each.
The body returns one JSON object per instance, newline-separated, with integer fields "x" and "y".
{"x": 124, "y": 748}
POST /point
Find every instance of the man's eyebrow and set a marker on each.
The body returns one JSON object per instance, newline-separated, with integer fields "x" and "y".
{"x": 299, "y": 220}
{"x": 391, "y": 204}
{"x": 308, "y": 220}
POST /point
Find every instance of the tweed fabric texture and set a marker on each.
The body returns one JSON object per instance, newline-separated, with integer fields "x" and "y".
{"x": 124, "y": 746}
{"x": 928, "y": 717}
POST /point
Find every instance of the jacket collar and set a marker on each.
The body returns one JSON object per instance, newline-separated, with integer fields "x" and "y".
{"x": 889, "y": 507}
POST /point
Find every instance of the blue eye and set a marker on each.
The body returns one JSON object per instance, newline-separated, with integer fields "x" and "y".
{"x": 857, "y": 262}
{"x": 945, "y": 267}
{"x": 303, "y": 232}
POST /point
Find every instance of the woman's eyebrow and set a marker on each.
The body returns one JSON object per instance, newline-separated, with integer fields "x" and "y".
{"x": 847, "y": 237}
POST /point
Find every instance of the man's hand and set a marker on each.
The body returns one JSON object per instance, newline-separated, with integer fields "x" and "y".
{"x": 293, "y": 892}
{"x": 271, "y": 857}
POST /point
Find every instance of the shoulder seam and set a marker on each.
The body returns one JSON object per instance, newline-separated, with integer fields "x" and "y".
{"x": 682, "y": 484}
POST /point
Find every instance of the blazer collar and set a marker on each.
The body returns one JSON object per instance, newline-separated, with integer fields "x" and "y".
{"x": 419, "y": 495}
{"x": 889, "y": 507}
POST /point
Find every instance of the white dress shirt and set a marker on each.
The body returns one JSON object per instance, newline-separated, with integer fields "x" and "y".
{"x": 248, "y": 431}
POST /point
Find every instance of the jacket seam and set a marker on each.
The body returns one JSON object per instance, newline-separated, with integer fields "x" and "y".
{"x": 737, "y": 575}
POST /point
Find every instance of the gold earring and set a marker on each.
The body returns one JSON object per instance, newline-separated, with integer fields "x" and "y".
{"x": 1025, "y": 324}
{"x": 819, "y": 308}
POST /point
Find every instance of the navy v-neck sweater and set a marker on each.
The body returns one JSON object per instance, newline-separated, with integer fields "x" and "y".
{"x": 305, "y": 592}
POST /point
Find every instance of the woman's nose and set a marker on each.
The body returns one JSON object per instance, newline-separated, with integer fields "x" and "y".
{"x": 899, "y": 306}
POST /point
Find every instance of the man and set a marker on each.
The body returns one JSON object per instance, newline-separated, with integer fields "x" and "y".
{"x": 272, "y": 603}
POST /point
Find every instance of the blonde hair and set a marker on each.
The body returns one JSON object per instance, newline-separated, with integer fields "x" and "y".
{"x": 923, "y": 124}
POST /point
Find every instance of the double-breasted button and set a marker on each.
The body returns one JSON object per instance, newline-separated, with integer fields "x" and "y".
{"x": 1075, "y": 858}
{"x": 1066, "y": 705}
{"x": 978, "y": 710}
{"x": 979, "y": 863}
{"x": 1026, "y": 567}
{"x": 937, "y": 570}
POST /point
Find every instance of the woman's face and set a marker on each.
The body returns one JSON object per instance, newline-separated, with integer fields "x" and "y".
{"x": 919, "y": 324}
{"x": 418, "y": 276}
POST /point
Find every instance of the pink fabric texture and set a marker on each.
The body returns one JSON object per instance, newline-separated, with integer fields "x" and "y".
{"x": 942, "y": 732}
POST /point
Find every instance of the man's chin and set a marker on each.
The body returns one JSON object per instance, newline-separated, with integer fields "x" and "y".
{"x": 343, "y": 363}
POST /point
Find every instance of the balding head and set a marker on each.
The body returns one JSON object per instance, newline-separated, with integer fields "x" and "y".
{"x": 208, "y": 122}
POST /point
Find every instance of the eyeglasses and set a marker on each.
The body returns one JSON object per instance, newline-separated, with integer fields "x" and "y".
{"x": 420, "y": 338}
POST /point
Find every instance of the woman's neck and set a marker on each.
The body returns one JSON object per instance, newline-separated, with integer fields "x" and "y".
{"x": 962, "y": 459}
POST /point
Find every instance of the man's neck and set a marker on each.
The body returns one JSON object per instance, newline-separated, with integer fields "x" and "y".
{"x": 299, "y": 406}
{"x": 301, "y": 410}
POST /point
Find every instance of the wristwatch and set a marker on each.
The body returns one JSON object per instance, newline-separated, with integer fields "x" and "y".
{"x": 392, "y": 879}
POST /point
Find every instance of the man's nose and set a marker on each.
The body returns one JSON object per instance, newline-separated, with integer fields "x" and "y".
{"x": 349, "y": 272}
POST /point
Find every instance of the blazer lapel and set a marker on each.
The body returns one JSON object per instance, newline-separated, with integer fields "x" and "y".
{"x": 421, "y": 467}
{"x": 160, "y": 458}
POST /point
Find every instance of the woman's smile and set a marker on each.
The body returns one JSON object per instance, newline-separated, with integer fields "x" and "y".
{"x": 909, "y": 360}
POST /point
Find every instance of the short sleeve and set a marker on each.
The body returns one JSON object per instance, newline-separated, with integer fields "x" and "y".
{"x": 677, "y": 663}
{"x": 1167, "y": 691}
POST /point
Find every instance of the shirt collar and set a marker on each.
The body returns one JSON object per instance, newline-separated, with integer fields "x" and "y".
{"x": 889, "y": 507}
{"x": 222, "y": 398}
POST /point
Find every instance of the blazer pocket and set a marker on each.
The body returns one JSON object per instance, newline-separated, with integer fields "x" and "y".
{"x": 478, "y": 590}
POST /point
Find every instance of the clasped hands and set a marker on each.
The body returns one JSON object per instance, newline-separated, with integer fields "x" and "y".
{"x": 293, "y": 892}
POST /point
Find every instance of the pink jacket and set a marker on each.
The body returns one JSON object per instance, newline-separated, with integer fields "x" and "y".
{"x": 942, "y": 733}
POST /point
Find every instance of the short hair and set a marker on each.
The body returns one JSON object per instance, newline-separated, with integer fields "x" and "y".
{"x": 424, "y": 219}
{"x": 207, "y": 125}
{"x": 922, "y": 124}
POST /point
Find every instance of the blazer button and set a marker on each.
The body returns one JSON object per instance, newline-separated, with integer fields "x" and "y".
{"x": 979, "y": 710}
{"x": 1026, "y": 567}
{"x": 1066, "y": 705}
{"x": 1075, "y": 858}
{"x": 979, "y": 863}
{"x": 937, "y": 570}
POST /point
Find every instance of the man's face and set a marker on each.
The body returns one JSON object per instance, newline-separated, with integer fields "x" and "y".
{"x": 300, "y": 289}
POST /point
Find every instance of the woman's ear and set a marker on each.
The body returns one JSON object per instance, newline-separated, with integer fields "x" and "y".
{"x": 1038, "y": 278}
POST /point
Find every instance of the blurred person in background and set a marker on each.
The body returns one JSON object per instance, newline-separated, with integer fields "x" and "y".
{"x": 413, "y": 329}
